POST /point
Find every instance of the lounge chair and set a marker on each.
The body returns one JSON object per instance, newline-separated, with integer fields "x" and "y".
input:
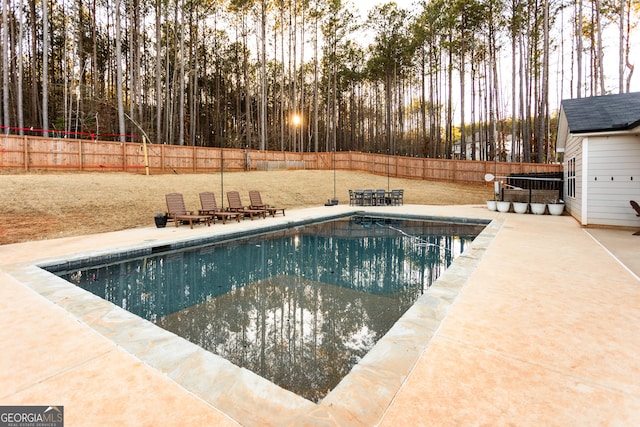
{"x": 235, "y": 205}
{"x": 256, "y": 203}
{"x": 636, "y": 207}
{"x": 177, "y": 212}
{"x": 210, "y": 207}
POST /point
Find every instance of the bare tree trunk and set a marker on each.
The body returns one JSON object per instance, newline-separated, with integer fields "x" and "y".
{"x": 248, "y": 122}
{"x": 81, "y": 63}
{"x": 474, "y": 154}
{"x": 544, "y": 95}
{"x": 621, "y": 57}
{"x": 182, "y": 75}
{"x": 449, "y": 124}
{"x": 282, "y": 80}
{"x": 5, "y": 65}
{"x": 293, "y": 45}
{"x": 578, "y": 35}
{"x": 514, "y": 36}
{"x": 263, "y": 76}
{"x": 45, "y": 66}
{"x": 132, "y": 10}
{"x": 316, "y": 88}
{"x": 423, "y": 138}
{"x": 94, "y": 61}
{"x": 119, "y": 82}
{"x": 302, "y": 68}
{"x": 159, "y": 136}
{"x": 35, "y": 115}
{"x": 630, "y": 66}
{"x": 20, "y": 69}
{"x": 599, "y": 48}
{"x": 194, "y": 123}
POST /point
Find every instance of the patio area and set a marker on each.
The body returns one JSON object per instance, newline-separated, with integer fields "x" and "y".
{"x": 539, "y": 324}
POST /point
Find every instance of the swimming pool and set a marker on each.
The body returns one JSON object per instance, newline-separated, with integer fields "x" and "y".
{"x": 299, "y": 307}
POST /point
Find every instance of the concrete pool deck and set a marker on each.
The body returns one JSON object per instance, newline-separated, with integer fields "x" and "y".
{"x": 543, "y": 330}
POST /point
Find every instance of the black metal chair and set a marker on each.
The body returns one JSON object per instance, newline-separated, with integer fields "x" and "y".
{"x": 352, "y": 198}
{"x": 358, "y": 195}
{"x": 397, "y": 197}
{"x": 367, "y": 198}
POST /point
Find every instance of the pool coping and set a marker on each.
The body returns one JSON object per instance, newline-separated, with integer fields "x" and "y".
{"x": 236, "y": 391}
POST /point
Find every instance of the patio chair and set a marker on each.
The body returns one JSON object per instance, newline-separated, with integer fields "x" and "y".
{"x": 255, "y": 202}
{"x": 367, "y": 197}
{"x": 358, "y": 196}
{"x": 380, "y": 197}
{"x": 210, "y": 207}
{"x": 235, "y": 205}
{"x": 352, "y": 198}
{"x": 177, "y": 212}
{"x": 397, "y": 197}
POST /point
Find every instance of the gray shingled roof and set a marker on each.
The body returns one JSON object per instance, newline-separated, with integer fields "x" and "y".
{"x": 603, "y": 113}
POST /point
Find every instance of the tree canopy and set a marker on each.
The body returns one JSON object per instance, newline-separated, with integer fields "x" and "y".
{"x": 235, "y": 73}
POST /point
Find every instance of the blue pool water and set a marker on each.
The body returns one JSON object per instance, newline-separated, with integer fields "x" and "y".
{"x": 299, "y": 307}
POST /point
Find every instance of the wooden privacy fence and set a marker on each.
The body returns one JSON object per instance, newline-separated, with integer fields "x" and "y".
{"x": 27, "y": 153}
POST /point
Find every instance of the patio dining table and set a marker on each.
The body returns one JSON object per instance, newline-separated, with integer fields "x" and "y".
{"x": 371, "y": 197}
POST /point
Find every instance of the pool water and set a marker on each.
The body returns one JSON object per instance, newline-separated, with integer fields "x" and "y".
{"x": 299, "y": 307}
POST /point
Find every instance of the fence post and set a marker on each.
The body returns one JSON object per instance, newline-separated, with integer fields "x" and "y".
{"x": 146, "y": 155}
{"x": 162, "y": 146}
{"x": 26, "y": 154}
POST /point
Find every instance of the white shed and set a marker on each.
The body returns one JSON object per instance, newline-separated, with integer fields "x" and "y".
{"x": 600, "y": 137}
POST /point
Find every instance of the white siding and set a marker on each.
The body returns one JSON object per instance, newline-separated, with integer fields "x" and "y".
{"x": 573, "y": 149}
{"x": 613, "y": 179}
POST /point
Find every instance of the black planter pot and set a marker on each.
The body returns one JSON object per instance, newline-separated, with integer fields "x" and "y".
{"x": 161, "y": 221}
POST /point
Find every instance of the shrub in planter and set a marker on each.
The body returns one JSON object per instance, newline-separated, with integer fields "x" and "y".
{"x": 556, "y": 208}
{"x": 520, "y": 207}
{"x": 160, "y": 219}
{"x": 538, "y": 208}
{"x": 503, "y": 206}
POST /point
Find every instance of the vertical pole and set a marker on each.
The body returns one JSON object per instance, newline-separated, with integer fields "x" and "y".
{"x": 334, "y": 173}
{"x": 221, "y": 173}
{"x": 146, "y": 156}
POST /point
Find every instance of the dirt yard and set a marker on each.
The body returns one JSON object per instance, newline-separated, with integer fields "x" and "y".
{"x": 51, "y": 205}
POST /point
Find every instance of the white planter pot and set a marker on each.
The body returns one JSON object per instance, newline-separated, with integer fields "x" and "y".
{"x": 538, "y": 208}
{"x": 491, "y": 205}
{"x": 520, "y": 207}
{"x": 503, "y": 206}
{"x": 556, "y": 208}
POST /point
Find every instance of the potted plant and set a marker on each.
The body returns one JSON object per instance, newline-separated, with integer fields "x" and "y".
{"x": 538, "y": 208}
{"x": 556, "y": 207}
{"x": 520, "y": 207}
{"x": 161, "y": 219}
{"x": 492, "y": 205}
{"x": 503, "y": 206}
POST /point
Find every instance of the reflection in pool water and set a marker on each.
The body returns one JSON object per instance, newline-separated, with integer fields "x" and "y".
{"x": 299, "y": 307}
